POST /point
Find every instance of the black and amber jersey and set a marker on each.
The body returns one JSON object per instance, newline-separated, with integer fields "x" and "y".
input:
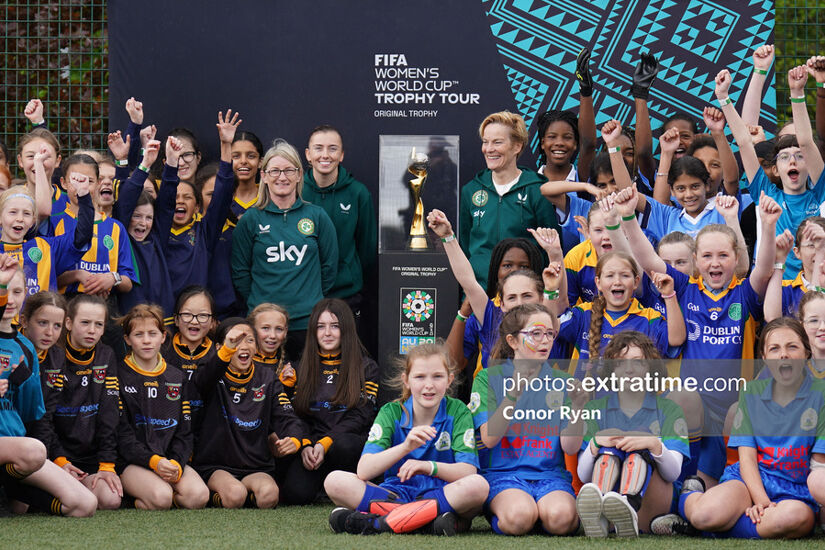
{"x": 240, "y": 411}
{"x": 155, "y": 418}
{"x": 80, "y": 390}
{"x": 327, "y": 420}
{"x": 178, "y": 354}
{"x": 277, "y": 362}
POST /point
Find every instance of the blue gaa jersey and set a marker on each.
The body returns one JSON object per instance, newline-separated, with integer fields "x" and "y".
{"x": 531, "y": 446}
{"x": 21, "y": 403}
{"x": 580, "y": 265}
{"x": 43, "y": 259}
{"x": 719, "y": 326}
{"x": 792, "y": 292}
{"x": 109, "y": 251}
{"x": 651, "y": 297}
{"x": 795, "y": 208}
{"x": 574, "y": 329}
{"x": 484, "y": 336}
{"x": 784, "y": 437}
{"x": 454, "y": 440}
{"x": 666, "y": 219}
{"x": 658, "y": 416}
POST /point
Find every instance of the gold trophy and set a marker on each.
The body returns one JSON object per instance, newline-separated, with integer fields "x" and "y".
{"x": 418, "y": 232}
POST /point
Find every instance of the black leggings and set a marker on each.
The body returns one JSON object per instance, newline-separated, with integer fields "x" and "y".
{"x": 301, "y": 486}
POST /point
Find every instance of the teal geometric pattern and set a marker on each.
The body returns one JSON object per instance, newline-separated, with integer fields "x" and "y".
{"x": 538, "y": 41}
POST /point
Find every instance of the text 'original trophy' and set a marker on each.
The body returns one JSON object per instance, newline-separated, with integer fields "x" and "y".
{"x": 417, "y": 166}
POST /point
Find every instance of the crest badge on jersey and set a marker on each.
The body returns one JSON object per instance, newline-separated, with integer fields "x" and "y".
{"x": 99, "y": 374}
{"x": 480, "y": 197}
{"x": 108, "y": 242}
{"x": 306, "y": 226}
{"x": 654, "y": 428}
{"x": 35, "y": 254}
{"x": 258, "y": 393}
{"x": 443, "y": 442}
{"x": 5, "y": 363}
{"x": 52, "y": 377}
{"x": 809, "y": 419}
{"x": 173, "y": 391}
{"x": 735, "y": 311}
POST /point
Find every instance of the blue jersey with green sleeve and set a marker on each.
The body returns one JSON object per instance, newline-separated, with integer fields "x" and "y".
{"x": 454, "y": 440}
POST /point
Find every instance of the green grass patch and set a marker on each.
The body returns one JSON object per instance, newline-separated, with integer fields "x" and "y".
{"x": 300, "y": 527}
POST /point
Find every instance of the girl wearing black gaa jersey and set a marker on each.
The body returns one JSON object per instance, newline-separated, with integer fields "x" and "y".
{"x": 241, "y": 420}
{"x": 155, "y": 432}
{"x": 80, "y": 391}
{"x": 335, "y": 399}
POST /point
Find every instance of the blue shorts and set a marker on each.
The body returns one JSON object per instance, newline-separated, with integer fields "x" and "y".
{"x": 536, "y": 488}
{"x": 712, "y": 455}
{"x": 409, "y": 493}
{"x": 777, "y": 488}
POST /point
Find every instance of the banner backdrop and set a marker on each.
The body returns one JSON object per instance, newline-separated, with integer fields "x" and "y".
{"x": 373, "y": 67}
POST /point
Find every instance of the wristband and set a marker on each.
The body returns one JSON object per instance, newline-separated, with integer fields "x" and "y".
{"x": 669, "y": 296}
{"x": 614, "y": 149}
{"x": 433, "y": 468}
{"x": 612, "y": 227}
{"x": 122, "y": 163}
{"x": 725, "y": 101}
{"x": 661, "y": 174}
{"x": 760, "y": 71}
{"x": 448, "y": 239}
{"x": 779, "y": 266}
{"x": 460, "y": 317}
{"x": 142, "y": 167}
{"x": 820, "y": 84}
{"x": 551, "y": 294}
{"x": 4, "y": 287}
{"x": 798, "y": 99}
{"x": 628, "y": 218}
{"x": 142, "y": 151}
{"x": 510, "y": 397}
{"x": 820, "y": 289}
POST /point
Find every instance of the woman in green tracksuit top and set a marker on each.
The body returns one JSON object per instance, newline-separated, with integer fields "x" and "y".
{"x": 504, "y": 199}
{"x": 284, "y": 250}
{"x": 349, "y": 205}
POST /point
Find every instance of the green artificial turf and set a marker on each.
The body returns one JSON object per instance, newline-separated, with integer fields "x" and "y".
{"x": 303, "y": 527}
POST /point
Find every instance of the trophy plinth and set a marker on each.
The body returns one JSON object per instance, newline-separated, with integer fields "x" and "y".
{"x": 418, "y": 165}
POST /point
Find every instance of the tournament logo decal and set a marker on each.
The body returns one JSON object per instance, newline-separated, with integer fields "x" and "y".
{"x": 173, "y": 391}
{"x": 35, "y": 254}
{"x": 480, "y": 197}
{"x": 258, "y": 393}
{"x": 99, "y": 374}
{"x": 475, "y": 402}
{"x": 375, "y": 433}
{"x": 470, "y": 438}
{"x": 108, "y": 242}
{"x": 654, "y": 428}
{"x": 306, "y": 226}
{"x": 735, "y": 311}
{"x": 680, "y": 427}
{"x": 418, "y": 306}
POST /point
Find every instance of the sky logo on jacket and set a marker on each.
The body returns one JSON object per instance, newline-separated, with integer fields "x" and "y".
{"x": 282, "y": 253}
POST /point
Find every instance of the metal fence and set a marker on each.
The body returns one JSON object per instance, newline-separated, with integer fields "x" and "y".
{"x": 57, "y": 51}
{"x": 799, "y": 34}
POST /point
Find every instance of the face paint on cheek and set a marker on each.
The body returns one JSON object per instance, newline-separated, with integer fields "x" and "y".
{"x": 528, "y": 343}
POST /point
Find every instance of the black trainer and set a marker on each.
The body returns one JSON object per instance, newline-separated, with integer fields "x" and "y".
{"x": 338, "y": 519}
{"x": 359, "y": 523}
